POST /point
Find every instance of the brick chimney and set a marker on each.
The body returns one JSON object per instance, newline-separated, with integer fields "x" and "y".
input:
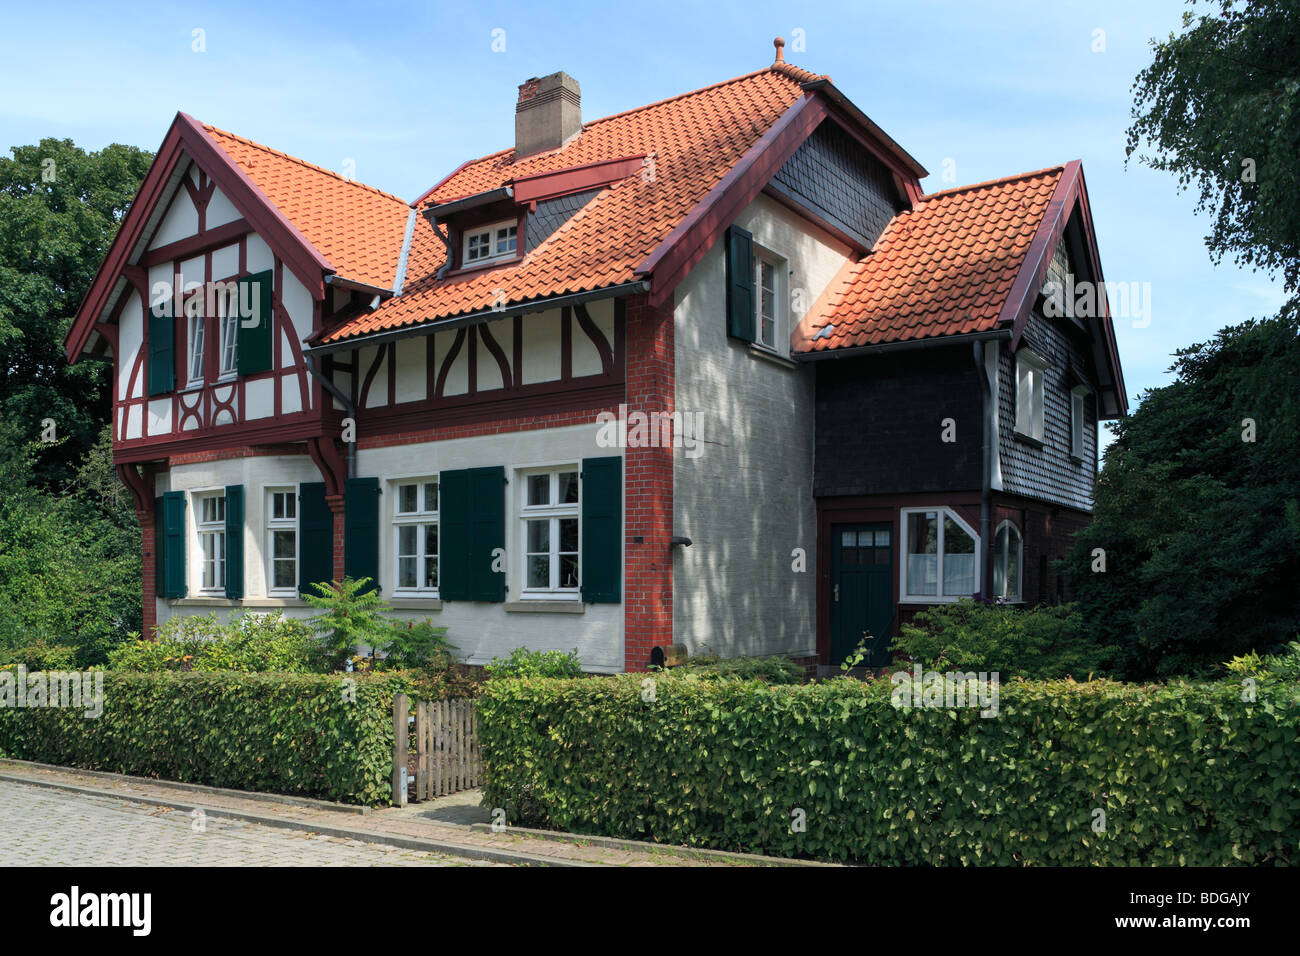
{"x": 548, "y": 114}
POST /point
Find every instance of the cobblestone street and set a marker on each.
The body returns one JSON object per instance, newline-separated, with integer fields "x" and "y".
{"x": 42, "y": 827}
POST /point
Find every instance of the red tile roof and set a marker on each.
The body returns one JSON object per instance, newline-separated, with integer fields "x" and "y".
{"x": 357, "y": 228}
{"x": 945, "y": 267}
{"x": 693, "y": 139}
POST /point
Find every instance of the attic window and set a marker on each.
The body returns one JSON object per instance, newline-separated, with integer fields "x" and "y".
{"x": 487, "y": 243}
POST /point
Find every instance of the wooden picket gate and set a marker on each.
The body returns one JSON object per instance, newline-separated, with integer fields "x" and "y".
{"x": 446, "y": 747}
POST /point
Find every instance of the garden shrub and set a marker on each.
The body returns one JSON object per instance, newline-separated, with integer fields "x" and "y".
{"x": 774, "y": 669}
{"x": 525, "y": 663}
{"x": 39, "y": 655}
{"x": 250, "y": 641}
{"x": 1186, "y": 774}
{"x": 1038, "y": 642}
{"x": 277, "y": 733}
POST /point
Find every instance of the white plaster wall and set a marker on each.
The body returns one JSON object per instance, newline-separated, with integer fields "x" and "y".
{"x": 746, "y": 500}
{"x": 480, "y": 631}
{"x": 179, "y": 222}
{"x": 220, "y": 209}
{"x": 130, "y": 339}
{"x": 541, "y": 354}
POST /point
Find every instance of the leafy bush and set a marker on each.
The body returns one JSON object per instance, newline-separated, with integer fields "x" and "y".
{"x": 1187, "y": 774}
{"x": 1284, "y": 666}
{"x": 525, "y": 663}
{"x": 350, "y": 618}
{"x": 249, "y": 642}
{"x": 1040, "y": 642}
{"x": 316, "y": 735}
{"x": 771, "y": 670}
{"x": 38, "y": 656}
{"x": 415, "y": 644}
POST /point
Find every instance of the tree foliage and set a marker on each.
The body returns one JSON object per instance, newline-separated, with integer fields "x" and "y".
{"x": 1198, "y": 511}
{"x": 60, "y": 207}
{"x": 1219, "y": 106}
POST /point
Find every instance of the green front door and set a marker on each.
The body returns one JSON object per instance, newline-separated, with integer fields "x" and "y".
{"x": 862, "y": 598}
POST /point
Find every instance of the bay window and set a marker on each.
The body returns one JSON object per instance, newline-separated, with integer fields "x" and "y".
{"x": 940, "y": 561}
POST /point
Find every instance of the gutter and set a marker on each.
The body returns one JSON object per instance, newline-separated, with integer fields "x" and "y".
{"x": 883, "y": 347}
{"x": 988, "y": 409}
{"x": 474, "y": 318}
{"x": 349, "y": 409}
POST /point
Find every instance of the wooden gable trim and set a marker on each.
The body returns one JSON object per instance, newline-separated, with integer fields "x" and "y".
{"x": 687, "y": 244}
{"x": 539, "y": 186}
{"x": 1069, "y": 194}
{"x": 193, "y": 245}
{"x": 186, "y": 137}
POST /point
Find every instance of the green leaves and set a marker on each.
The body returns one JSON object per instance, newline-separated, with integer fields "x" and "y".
{"x": 1184, "y": 773}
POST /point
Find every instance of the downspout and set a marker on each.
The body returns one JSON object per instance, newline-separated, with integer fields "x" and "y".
{"x": 987, "y": 408}
{"x": 349, "y": 409}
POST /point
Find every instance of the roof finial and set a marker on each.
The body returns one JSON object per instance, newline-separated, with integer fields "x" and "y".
{"x": 779, "y": 43}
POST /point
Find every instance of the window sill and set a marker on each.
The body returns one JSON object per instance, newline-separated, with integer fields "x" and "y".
{"x": 483, "y": 266}
{"x": 1028, "y": 439}
{"x": 545, "y": 607}
{"x": 931, "y": 599}
{"x": 413, "y": 603}
{"x": 769, "y": 355}
{"x": 213, "y": 600}
{"x": 1077, "y": 459}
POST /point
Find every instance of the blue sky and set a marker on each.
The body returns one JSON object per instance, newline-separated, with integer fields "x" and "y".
{"x": 409, "y": 91}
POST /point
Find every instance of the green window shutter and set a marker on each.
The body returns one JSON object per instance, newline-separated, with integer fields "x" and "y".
{"x": 173, "y": 534}
{"x": 235, "y": 541}
{"x": 361, "y": 530}
{"x": 472, "y": 525}
{"x": 159, "y": 549}
{"x": 253, "y": 350}
{"x": 162, "y": 345}
{"x": 740, "y": 284}
{"x": 602, "y": 530}
{"x": 315, "y": 538}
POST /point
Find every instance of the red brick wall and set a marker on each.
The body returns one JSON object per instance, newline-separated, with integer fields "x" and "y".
{"x": 648, "y": 484}
{"x": 149, "y": 589}
{"x": 335, "y": 503}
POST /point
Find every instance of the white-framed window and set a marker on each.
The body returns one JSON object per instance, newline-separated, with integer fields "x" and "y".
{"x": 1029, "y": 394}
{"x": 1078, "y": 419}
{"x": 500, "y": 240}
{"x": 194, "y": 311}
{"x": 940, "y": 559}
{"x": 281, "y": 541}
{"x": 211, "y": 514}
{"x": 549, "y": 515}
{"x": 228, "y": 310}
{"x": 1008, "y": 554}
{"x": 769, "y": 299}
{"x": 415, "y": 537}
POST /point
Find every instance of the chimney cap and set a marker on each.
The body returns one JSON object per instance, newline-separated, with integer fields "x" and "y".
{"x": 779, "y": 43}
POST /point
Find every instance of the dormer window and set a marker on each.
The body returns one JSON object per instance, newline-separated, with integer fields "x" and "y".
{"x": 498, "y": 240}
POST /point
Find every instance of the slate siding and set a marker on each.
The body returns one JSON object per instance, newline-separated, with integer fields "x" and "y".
{"x": 834, "y": 176}
{"x": 1049, "y": 473}
{"x": 879, "y": 423}
{"x": 551, "y": 214}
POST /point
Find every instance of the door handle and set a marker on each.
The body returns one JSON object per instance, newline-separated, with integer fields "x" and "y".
{"x": 837, "y": 593}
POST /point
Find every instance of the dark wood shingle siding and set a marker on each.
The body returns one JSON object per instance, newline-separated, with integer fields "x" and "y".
{"x": 836, "y": 178}
{"x": 1048, "y": 473}
{"x": 879, "y": 423}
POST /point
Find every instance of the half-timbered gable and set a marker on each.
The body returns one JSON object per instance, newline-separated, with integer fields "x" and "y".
{"x": 712, "y": 371}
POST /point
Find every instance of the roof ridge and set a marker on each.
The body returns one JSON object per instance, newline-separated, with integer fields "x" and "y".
{"x": 788, "y": 70}
{"x": 302, "y": 162}
{"x": 1059, "y": 167}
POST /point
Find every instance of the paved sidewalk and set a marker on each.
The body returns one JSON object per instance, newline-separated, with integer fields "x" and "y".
{"x": 46, "y": 827}
{"x": 443, "y": 827}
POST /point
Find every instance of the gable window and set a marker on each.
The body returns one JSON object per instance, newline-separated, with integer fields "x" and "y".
{"x": 487, "y": 243}
{"x": 212, "y": 541}
{"x": 1007, "y": 554}
{"x": 1058, "y": 287}
{"x": 282, "y": 541}
{"x": 415, "y": 530}
{"x": 549, "y": 518}
{"x": 1029, "y": 394}
{"x": 765, "y": 284}
{"x": 194, "y": 309}
{"x": 229, "y": 312}
{"x": 939, "y": 557}
{"x": 1077, "y": 421}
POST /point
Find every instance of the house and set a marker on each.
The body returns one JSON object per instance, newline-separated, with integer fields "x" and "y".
{"x": 714, "y": 371}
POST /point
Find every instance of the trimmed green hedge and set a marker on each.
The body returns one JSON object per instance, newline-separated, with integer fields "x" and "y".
{"x": 1186, "y": 774}
{"x": 277, "y": 733}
